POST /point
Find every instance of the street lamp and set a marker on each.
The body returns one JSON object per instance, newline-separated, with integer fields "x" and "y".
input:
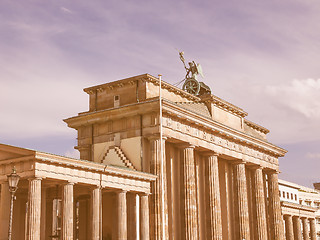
{"x": 13, "y": 180}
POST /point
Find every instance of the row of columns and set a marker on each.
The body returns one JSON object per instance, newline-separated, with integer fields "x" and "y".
{"x": 293, "y": 228}
{"x": 34, "y": 213}
{"x": 189, "y": 222}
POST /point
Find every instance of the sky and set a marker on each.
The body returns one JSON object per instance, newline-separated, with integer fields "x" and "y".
{"x": 262, "y": 56}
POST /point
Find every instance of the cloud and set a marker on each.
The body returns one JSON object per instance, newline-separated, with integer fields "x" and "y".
{"x": 72, "y": 154}
{"x": 313, "y": 155}
{"x": 250, "y": 51}
{"x": 66, "y": 10}
{"x": 302, "y": 96}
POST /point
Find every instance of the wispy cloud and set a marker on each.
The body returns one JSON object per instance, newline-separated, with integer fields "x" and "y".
{"x": 250, "y": 52}
{"x": 313, "y": 155}
{"x": 66, "y": 10}
{"x": 302, "y": 96}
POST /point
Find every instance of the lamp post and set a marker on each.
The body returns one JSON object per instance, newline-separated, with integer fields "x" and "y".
{"x": 13, "y": 180}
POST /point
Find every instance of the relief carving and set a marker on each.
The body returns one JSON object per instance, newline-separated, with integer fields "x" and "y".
{"x": 206, "y": 135}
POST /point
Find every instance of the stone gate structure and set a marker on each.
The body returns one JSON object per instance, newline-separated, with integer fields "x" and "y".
{"x": 216, "y": 162}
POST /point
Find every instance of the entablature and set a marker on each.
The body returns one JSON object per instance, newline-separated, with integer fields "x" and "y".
{"x": 197, "y": 123}
{"x": 50, "y": 166}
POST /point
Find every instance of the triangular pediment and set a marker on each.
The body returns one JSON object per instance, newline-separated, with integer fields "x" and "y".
{"x": 114, "y": 156}
{"x": 11, "y": 152}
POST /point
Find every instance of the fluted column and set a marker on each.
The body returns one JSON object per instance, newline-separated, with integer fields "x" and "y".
{"x": 305, "y": 228}
{"x": 156, "y": 207}
{"x": 275, "y": 216}
{"x": 122, "y": 215}
{"x": 214, "y": 228}
{"x": 96, "y": 213}
{"x": 313, "y": 231}
{"x": 132, "y": 216}
{"x": 144, "y": 217}
{"x": 289, "y": 227}
{"x": 242, "y": 201}
{"x": 297, "y": 228}
{"x": 67, "y": 212}
{"x": 190, "y": 221}
{"x": 34, "y": 209}
{"x": 4, "y": 210}
{"x": 259, "y": 196}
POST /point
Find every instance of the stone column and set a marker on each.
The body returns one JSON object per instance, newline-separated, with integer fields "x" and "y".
{"x": 289, "y": 227}
{"x": 313, "y": 231}
{"x": 67, "y": 212}
{"x": 275, "y": 214}
{"x": 259, "y": 195}
{"x": 43, "y": 213}
{"x": 96, "y": 213}
{"x": 156, "y": 207}
{"x": 144, "y": 217}
{"x": 214, "y": 223}
{"x": 242, "y": 201}
{"x": 190, "y": 221}
{"x": 132, "y": 216}
{"x": 4, "y": 210}
{"x": 297, "y": 228}
{"x": 305, "y": 228}
{"x": 34, "y": 209}
{"x": 122, "y": 215}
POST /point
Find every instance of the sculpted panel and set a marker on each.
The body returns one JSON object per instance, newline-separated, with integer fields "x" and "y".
{"x": 216, "y": 138}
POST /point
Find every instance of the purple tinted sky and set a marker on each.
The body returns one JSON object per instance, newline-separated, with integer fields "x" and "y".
{"x": 262, "y": 56}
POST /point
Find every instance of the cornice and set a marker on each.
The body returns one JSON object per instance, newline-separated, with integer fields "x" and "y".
{"x": 92, "y": 117}
{"x": 224, "y": 104}
{"x": 93, "y": 166}
{"x": 181, "y": 113}
{"x": 222, "y": 129}
{"x": 298, "y": 206}
{"x": 256, "y": 126}
{"x": 143, "y": 78}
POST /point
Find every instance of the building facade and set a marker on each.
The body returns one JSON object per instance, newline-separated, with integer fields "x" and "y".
{"x": 301, "y": 210}
{"x": 217, "y": 176}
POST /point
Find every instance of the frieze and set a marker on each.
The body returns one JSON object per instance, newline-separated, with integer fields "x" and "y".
{"x": 217, "y": 138}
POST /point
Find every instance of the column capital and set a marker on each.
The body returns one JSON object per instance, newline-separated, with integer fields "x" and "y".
{"x": 121, "y": 191}
{"x": 96, "y": 187}
{"x": 237, "y": 162}
{"x": 255, "y": 166}
{"x": 156, "y": 137}
{"x": 69, "y": 183}
{"x": 287, "y": 215}
{"x": 210, "y": 153}
{"x": 34, "y": 178}
{"x": 144, "y": 194}
{"x": 185, "y": 145}
{"x": 271, "y": 171}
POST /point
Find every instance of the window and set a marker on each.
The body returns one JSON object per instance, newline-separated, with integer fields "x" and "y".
{"x": 291, "y": 196}
{"x": 283, "y": 194}
{"x": 287, "y": 195}
{"x": 116, "y": 101}
{"x": 295, "y": 197}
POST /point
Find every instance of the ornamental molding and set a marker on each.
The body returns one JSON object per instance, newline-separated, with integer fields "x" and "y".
{"x": 193, "y": 119}
{"x": 219, "y": 138}
{"x": 219, "y": 102}
{"x": 256, "y": 126}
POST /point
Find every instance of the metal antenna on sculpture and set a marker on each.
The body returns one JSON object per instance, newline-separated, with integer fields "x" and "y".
{"x": 191, "y": 84}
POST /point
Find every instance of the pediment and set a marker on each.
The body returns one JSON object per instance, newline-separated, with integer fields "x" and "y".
{"x": 114, "y": 156}
{"x": 10, "y": 152}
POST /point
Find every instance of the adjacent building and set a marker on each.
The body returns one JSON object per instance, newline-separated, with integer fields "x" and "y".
{"x": 301, "y": 210}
